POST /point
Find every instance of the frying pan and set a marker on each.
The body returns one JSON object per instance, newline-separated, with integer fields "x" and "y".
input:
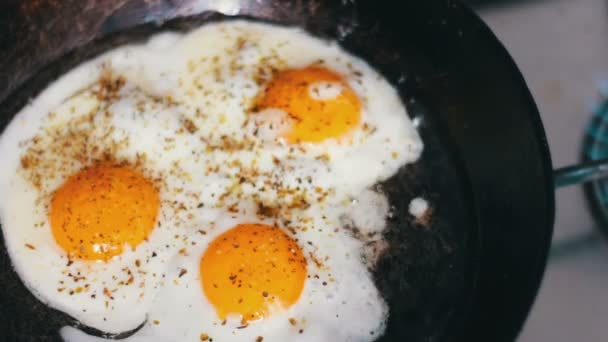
{"x": 469, "y": 274}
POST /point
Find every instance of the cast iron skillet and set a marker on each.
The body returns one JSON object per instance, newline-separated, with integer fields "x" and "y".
{"x": 470, "y": 273}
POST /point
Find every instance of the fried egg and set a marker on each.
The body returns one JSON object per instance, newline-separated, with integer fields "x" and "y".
{"x": 216, "y": 184}
{"x": 84, "y": 210}
{"x": 244, "y": 281}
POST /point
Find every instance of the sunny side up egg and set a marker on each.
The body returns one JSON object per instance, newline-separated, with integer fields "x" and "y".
{"x": 214, "y": 185}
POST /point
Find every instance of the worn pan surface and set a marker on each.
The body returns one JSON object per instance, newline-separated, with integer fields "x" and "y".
{"x": 470, "y": 273}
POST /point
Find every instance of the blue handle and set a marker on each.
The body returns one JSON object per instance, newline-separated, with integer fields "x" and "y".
{"x": 596, "y": 150}
{"x": 581, "y": 173}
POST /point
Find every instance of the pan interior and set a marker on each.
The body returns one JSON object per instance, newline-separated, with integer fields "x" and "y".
{"x": 427, "y": 274}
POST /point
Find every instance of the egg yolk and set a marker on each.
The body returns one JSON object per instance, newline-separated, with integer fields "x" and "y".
{"x": 320, "y": 104}
{"x": 100, "y": 209}
{"x": 252, "y": 270}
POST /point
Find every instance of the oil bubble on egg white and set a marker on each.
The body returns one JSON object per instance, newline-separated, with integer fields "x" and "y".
{"x": 186, "y": 105}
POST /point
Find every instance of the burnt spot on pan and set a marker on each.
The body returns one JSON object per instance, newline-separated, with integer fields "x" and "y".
{"x": 426, "y": 275}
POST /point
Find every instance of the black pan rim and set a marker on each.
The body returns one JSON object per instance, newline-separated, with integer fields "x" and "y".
{"x": 545, "y": 155}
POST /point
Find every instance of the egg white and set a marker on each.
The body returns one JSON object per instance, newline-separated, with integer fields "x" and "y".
{"x": 112, "y": 297}
{"x": 204, "y": 81}
{"x": 339, "y": 300}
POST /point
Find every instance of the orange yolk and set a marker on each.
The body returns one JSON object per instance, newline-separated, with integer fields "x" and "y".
{"x": 100, "y": 209}
{"x": 313, "y": 118}
{"x": 252, "y": 270}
